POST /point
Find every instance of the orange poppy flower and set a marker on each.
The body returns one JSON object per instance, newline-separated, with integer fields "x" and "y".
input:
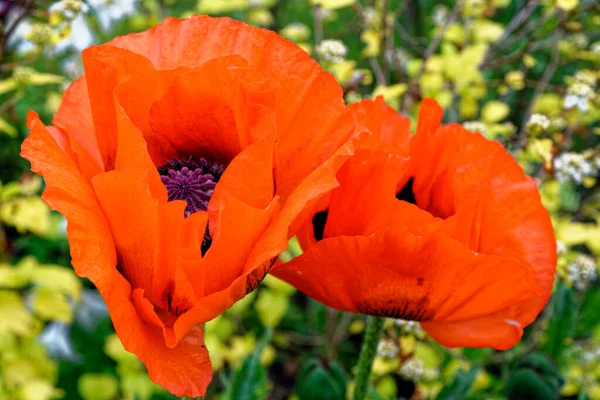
{"x": 442, "y": 228}
{"x": 181, "y": 160}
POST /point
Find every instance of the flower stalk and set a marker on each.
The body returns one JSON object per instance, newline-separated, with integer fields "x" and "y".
{"x": 367, "y": 354}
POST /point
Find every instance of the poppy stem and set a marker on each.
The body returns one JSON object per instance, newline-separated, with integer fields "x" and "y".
{"x": 367, "y": 354}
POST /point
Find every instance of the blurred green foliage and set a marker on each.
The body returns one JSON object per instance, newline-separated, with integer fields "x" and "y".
{"x": 523, "y": 72}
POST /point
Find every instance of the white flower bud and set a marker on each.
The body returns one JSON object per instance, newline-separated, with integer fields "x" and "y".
{"x": 387, "y": 348}
{"x": 332, "y": 50}
{"x": 475, "y": 126}
{"x": 412, "y": 369}
{"x": 538, "y": 123}
{"x": 581, "y": 272}
{"x": 409, "y": 327}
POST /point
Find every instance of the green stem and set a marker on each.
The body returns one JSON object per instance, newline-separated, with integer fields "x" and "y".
{"x": 367, "y": 354}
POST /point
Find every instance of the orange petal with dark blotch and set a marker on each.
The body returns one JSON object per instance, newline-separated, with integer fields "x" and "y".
{"x": 237, "y": 223}
{"x": 183, "y": 370}
{"x": 212, "y": 305}
{"x": 363, "y": 274}
{"x": 478, "y": 182}
{"x": 401, "y": 275}
{"x": 146, "y": 234}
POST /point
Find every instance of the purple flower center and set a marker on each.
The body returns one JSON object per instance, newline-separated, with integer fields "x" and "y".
{"x": 192, "y": 181}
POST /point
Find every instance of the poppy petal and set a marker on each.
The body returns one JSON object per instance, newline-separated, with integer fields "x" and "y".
{"x": 183, "y": 370}
{"x": 212, "y": 110}
{"x": 75, "y": 117}
{"x": 248, "y": 178}
{"x": 223, "y": 263}
{"x": 366, "y": 198}
{"x": 302, "y": 87}
{"x": 495, "y": 330}
{"x": 128, "y": 81}
{"x": 477, "y": 181}
{"x": 210, "y": 306}
{"x": 390, "y": 130}
{"x": 68, "y": 192}
{"x": 142, "y": 229}
{"x": 301, "y": 206}
{"x": 400, "y": 275}
{"x": 132, "y": 154}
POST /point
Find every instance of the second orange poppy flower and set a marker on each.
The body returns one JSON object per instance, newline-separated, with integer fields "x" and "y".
{"x": 442, "y": 227}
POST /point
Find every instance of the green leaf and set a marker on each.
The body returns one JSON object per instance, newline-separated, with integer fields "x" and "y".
{"x": 59, "y": 279}
{"x": 461, "y": 385}
{"x": 98, "y": 387}
{"x": 271, "y": 306}
{"x": 562, "y": 323}
{"x": 569, "y": 196}
{"x": 14, "y": 317}
{"x": 333, "y": 4}
{"x": 51, "y": 305}
{"x": 494, "y": 111}
{"x": 7, "y": 85}
{"x": 39, "y": 79}
{"x": 16, "y": 277}
{"x": 7, "y": 128}
{"x": 535, "y": 377}
{"x": 320, "y": 380}
{"x": 249, "y": 382}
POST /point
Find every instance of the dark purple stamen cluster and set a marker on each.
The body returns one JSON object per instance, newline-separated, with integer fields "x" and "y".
{"x": 192, "y": 181}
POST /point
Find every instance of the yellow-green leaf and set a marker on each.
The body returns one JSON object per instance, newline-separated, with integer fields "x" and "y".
{"x": 138, "y": 386}
{"x": 13, "y": 277}
{"x": 98, "y": 387}
{"x": 14, "y": 318}
{"x": 221, "y": 6}
{"x": 494, "y": 111}
{"x": 567, "y": 5}
{"x": 332, "y": 4}
{"x": 271, "y": 306}
{"x": 427, "y": 354}
{"x": 58, "y": 279}
{"x": 26, "y": 214}
{"x": 296, "y": 32}
{"x": 372, "y": 40}
{"x": 431, "y": 83}
{"x": 39, "y": 390}
{"x": 222, "y": 327}
{"x": 485, "y": 30}
{"x": 7, "y": 128}
{"x": 278, "y": 285}
{"x": 51, "y": 305}
{"x": 7, "y": 85}
{"x": 391, "y": 94}
{"x": 40, "y": 79}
